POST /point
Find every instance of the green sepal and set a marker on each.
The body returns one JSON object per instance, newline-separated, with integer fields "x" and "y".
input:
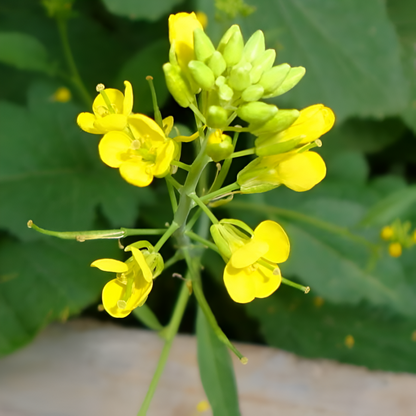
{"x": 254, "y": 47}
{"x": 233, "y": 51}
{"x": 217, "y": 63}
{"x": 178, "y": 85}
{"x": 257, "y": 112}
{"x": 274, "y": 77}
{"x": 252, "y": 93}
{"x": 239, "y": 78}
{"x": 257, "y": 177}
{"x": 291, "y": 80}
{"x": 203, "y": 46}
{"x": 281, "y": 121}
{"x": 217, "y": 117}
{"x": 201, "y": 74}
{"x": 269, "y": 148}
{"x": 262, "y": 64}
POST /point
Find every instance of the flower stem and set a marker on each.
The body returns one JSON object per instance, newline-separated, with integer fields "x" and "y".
{"x": 181, "y": 165}
{"x": 169, "y": 335}
{"x": 243, "y": 153}
{"x": 165, "y": 237}
{"x": 227, "y": 189}
{"x": 202, "y": 240}
{"x": 172, "y": 195}
{"x": 157, "y": 113}
{"x": 204, "y": 208}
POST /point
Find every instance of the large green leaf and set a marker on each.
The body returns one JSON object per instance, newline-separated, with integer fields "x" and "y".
{"x": 314, "y": 328}
{"x": 138, "y": 9}
{"x": 23, "y": 52}
{"x": 45, "y": 281}
{"x": 50, "y": 171}
{"x": 216, "y": 370}
{"x": 349, "y": 49}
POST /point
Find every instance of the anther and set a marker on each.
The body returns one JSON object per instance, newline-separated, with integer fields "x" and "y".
{"x": 277, "y": 272}
{"x": 122, "y": 304}
{"x": 135, "y": 144}
{"x": 100, "y": 87}
{"x": 307, "y": 289}
{"x": 80, "y": 238}
{"x": 178, "y": 276}
{"x": 29, "y": 224}
{"x": 318, "y": 142}
{"x": 244, "y": 360}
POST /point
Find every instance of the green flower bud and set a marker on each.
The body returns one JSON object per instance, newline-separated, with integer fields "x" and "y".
{"x": 274, "y": 77}
{"x": 220, "y": 81}
{"x": 226, "y": 37}
{"x": 202, "y": 75}
{"x": 203, "y": 46}
{"x": 281, "y": 121}
{"x": 217, "y": 63}
{"x": 291, "y": 80}
{"x": 233, "y": 51}
{"x": 254, "y": 47}
{"x": 225, "y": 92}
{"x": 178, "y": 85}
{"x": 257, "y": 112}
{"x": 268, "y": 145}
{"x": 217, "y": 117}
{"x": 256, "y": 177}
{"x": 252, "y": 93}
{"x": 239, "y": 78}
{"x": 262, "y": 64}
{"x": 219, "y": 146}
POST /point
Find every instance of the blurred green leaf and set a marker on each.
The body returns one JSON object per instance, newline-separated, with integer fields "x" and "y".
{"x": 45, "y": 281}
{"x": 349, "y": 49}
{"x": 216, "y": 370}
{"x": 311, "y": 327}
{"x": 136, "y": 10}
{"x": 134, "y": 70}
{"x": 24, "y": 52}
{"x": 50, "y": 171}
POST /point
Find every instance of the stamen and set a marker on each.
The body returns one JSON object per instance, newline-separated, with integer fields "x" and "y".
{"x": 121, "y": 304}
{"x": 135, "y": 144}
{"x": 100, "y": 87}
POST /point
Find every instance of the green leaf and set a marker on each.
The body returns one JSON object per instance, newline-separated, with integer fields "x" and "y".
{"x": 136, "y": 10}
{"x": 216, "y": 370}
{"x": 24, "y": 52}
{"x": 45, "y": 281}
{"x": 50, "y": 171}
{"x": 134, "y": 70}
{"x": 311, "y": 327}
{"x": 349, "y": 49}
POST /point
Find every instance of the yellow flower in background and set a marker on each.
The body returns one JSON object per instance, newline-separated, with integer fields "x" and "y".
{"x": 111, "y": 110}
{"x": 387, "y": 233}
{"x": 181, "y": 33}
{"x": 251, "y": 271}
{"x": 395, "y": 249}
{"x": 140, "y": 157}
{"x": 130, "y": 288}
{"x": 62, "y": 95}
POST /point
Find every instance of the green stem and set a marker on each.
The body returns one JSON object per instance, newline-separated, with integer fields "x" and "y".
{"x": 202, "y": 240}
{"x": 174, "y": 182}
{"x": 304, "y": 289}
{"x": 157, "y": 113}
{"x": 243, "y": 153}
{"x": 197, "y": 113}
{"x": 172, "y": 228}
{"x": 146, "y": 316}
{"x": 76, "y": 79}
{"x": 194, "y": 219}
{"x": 204, "y": 208}
{"x": 169, "y": 335}
{"x": 181, "y": 165}
{"x": 172, "y": 196}
{"x": 174, "y": 259}
{"x": 227, "y": 189}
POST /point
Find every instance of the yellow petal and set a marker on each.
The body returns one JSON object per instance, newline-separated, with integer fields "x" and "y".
{"x": 117, "y": 122}
{"x": 302, "y": 171}
{"x": 144, "y": 127}
{"x": 86, "y": 122}
{"x": 110, "y": 265}
{"x": 116, "y": 98}
{"x": 265, "y": 282}
{"x": 141, "y": 261}
{"x": 239, "y": 284}
{"x": 113, "y": 148}
{"x": 128, "y": 99}
{"x": 137, "y": 172}
{"x": 249, "y": 253}
{"x": 274, "y": 235}
{"x": 164, "y": 156}
{"x": 167, "y": 125}
{"x": 186, "y": 139}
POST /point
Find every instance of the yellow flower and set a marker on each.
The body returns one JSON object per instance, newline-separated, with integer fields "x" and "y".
{"x": 395, "y": 249}
{"x": 387, "y": 233}
{"x": 140, "y": 156}
{"x": 298, "y": 171}
{"x": 111, "y": 114}
{"x": 130, "y": 288}
{"x": 181, "y": 33}
{"x": 62, "y": 95}
{"x": 252, "y": 271}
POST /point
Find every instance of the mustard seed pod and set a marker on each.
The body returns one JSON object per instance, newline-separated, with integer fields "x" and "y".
{"x": 202, "y": 75}
{"x": 217, "y": 63}
{"x": 203, "y": 46}
{"x": 233, "y": 51}
{"x": 252, "y": 93}
{"x": 281, "y": 121}
{"x": 178, "y": 85}
{"x": 217, "y": 117}
{"x": 274, "y": 77}
{"x": 254, "y": 47}
{"x": 292, "y": 79}
{"x": 262, "y": 64}
{"x": 257, "y": 112}
{"x": 239, "y": 78}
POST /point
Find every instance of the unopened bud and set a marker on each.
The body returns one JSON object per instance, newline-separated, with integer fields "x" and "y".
{"x": 177, "y": 85}
{"x": 217, "y": 64}
{"x": 262, "y": 64}
{"x": 274, "y": 77}
{"x": 225, "y": 92}
{"x": 202, "y": 75}
{"x": 239, "y": 78}
{"x": 257, "y": 112}
{"x": 252, "y": 93}
{"x": 226, "y": 37}
{"x": 254, "y": 47}
{"x": 217, "y": 117}
{"x": 291, "y": 80}
{"x": 281, "y": 121}
{"x": 233, "y": 50}
{"x": 203, "y": 46}
{"x": 219, "y": 146}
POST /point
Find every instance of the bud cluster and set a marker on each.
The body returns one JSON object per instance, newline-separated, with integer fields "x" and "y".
{"x": 399, "y": 235}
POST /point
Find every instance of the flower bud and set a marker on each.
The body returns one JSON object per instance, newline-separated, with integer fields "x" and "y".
{"x": 254, "y": 47}
{"x": 217, "y": 64}
{"x": 217, "y": 117}
{"x": 239, "y": 78}
{"x": 203, "y": 46}
{"x": 262, "y": 64}
{"x": 226, "y": 37}
{"x": 202, "y": 75}
{"x": 177, "y": 85}
{"x": 225, "y": 92}
{"x": 274, "y": 77}
{"x": 252, "y": 93}
{"x": 281, "y": 121}
{"x": 291, "y": 80}
{"x": 233, "y": 50}
{"x": 257, "y": 112}
{"x": 219, "y": 146}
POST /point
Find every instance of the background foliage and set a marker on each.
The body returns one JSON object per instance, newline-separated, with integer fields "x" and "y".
{"x": 360, "y": 60}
